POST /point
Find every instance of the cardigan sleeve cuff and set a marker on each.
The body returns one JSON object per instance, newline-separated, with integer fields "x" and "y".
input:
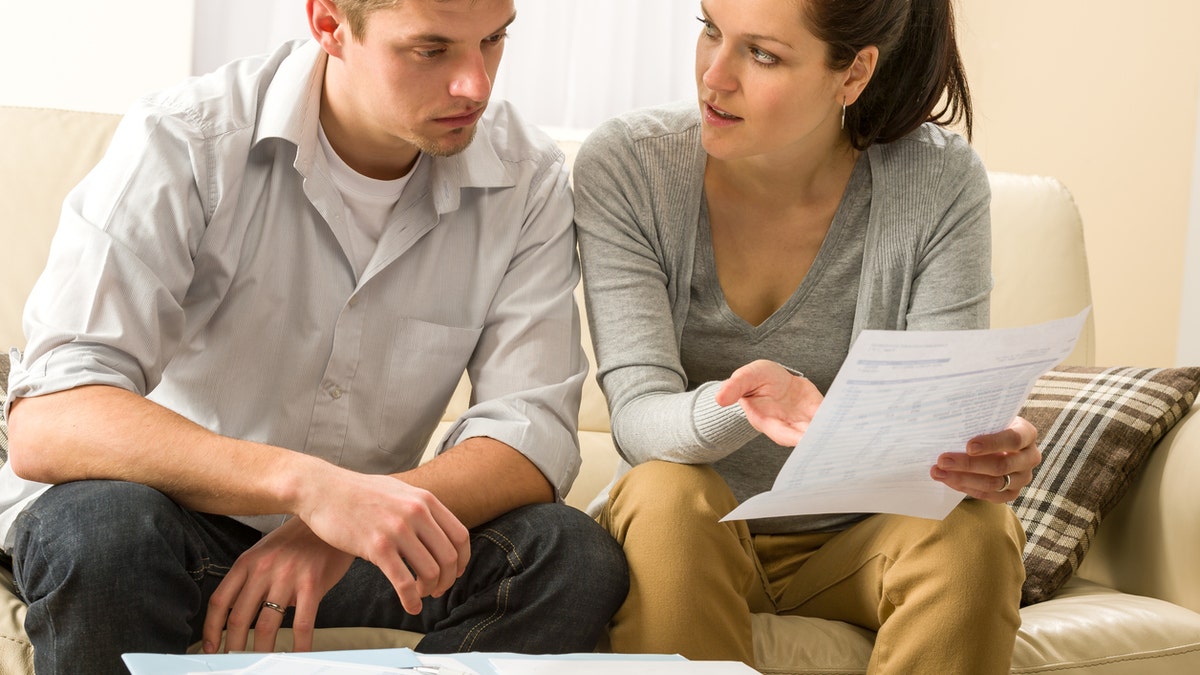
{"x": 724, "y": 427}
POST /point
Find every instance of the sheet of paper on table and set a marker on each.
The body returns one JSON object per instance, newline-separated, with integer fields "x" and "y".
{"x": 552, "y": 666}
{"x": 291, "y": 664}
{"x": 901, "y": 399}
{"x": 394, "y": 661}
{"x": 313, "y": 664}
{"x": 211, "y": 664}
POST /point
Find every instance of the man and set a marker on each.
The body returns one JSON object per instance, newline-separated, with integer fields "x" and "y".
{"x": 258, "y": 305}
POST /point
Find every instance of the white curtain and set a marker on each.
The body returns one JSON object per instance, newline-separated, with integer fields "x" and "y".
{"x": 230, "y": 29}
{"x": 568, "y": 64}
{"x": 575, "y": 63}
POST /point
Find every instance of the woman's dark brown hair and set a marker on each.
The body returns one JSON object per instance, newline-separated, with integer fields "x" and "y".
{"x": 918, "y": 64}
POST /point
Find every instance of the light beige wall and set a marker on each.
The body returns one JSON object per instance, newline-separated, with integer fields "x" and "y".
{"x": 1188, "y": 352}
{"x": 89, "y": 55}
{"x": 1101, "y": 94}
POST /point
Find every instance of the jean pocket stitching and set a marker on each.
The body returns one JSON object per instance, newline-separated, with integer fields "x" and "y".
{"x": 472, "y": 635}
{"x": 509, "y": 548}
{"x": 515, "y": 563}
{"x": 207, "y": 567}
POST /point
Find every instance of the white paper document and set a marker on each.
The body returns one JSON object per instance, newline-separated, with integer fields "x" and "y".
{"x": 313, "y": 664}
{"x": 552, "y": 666}
{"x": 382, "y": 660}
{"x": 292, "y": 664}
{"x": 901, "y": 399}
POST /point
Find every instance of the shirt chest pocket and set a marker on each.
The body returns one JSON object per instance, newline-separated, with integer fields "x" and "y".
{"x": 421, "y": 370}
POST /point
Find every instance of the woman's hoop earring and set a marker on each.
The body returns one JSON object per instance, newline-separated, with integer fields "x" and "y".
{"x": 843, "y": 112}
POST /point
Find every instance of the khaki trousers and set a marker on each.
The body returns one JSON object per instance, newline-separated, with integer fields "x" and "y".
{"x": 943, "y": 596}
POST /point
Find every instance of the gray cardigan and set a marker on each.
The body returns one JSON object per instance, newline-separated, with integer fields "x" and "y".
{"x": 638, "y": 190}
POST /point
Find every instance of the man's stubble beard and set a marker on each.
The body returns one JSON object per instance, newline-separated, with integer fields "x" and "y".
{"x": 432, "y": 148}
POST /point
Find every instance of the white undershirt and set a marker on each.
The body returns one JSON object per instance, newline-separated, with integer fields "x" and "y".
{"x": 368, "y": 202}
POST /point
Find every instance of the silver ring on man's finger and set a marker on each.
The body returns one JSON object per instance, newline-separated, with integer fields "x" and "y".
{"x": 1007, "y": 482}
{"x": 267, "y": 604}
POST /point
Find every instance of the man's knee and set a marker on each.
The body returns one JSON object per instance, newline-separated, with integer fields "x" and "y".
{"x": 592, "y": 546}
{"x": 554, "y": 529}
{"x": 563, "y": 542}
{"x": 94, "y": 520}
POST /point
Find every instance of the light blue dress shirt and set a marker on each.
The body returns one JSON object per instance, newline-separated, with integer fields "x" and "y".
{"x": 204, "y": 264}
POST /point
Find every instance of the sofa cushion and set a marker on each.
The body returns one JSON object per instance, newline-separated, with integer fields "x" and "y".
{"x": 1086, "y": 629}
{"x": 1089, "y": 629}
{"x": 1096, "y": 426}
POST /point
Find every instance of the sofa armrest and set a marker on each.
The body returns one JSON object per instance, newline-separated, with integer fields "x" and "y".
{"x": 1149, "y": 543}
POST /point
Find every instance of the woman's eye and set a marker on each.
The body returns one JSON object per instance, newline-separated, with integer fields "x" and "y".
{"x": 765, "y": 58}
{"x": 710, "y": 29}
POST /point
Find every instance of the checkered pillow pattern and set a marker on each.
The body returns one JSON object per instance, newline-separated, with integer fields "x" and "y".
{"x": 1096, "y": 426}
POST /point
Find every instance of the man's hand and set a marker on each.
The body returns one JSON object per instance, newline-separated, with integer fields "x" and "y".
{"x": 391, "y": 524}
{"x": 290, "y": 567}
{"x": 995, "y": 466}
{"x": 777, "y": 403}
{"x": 381, "y": 519}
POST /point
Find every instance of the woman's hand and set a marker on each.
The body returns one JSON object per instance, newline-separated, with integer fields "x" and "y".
{"x": 995, "y": 466}
{"x": 289, "y": 567}
{"x": 777, "y": 402}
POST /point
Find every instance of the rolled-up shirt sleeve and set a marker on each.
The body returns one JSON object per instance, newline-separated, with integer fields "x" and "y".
{"x": 108, "y": 307}
{"x": 528, "y": 368}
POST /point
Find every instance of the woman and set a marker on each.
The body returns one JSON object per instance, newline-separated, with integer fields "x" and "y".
{"x": 812, "y": 194}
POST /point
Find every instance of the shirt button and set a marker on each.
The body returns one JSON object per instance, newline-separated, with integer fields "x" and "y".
{"x": 335, "y": 393}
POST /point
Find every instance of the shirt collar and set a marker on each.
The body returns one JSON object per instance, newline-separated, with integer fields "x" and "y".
{"x": 478, "y": 166}
{"x": 291, "y": 106}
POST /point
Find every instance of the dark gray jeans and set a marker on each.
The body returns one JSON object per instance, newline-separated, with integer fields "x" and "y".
{"x": 110, "y": 567}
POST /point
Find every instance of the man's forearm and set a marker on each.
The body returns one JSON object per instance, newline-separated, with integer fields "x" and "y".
{"x": 480, "y": 479}
{"x": 102, "y": 432}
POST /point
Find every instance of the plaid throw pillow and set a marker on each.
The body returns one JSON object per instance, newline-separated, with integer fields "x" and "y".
{"x": 1096, "y": 426}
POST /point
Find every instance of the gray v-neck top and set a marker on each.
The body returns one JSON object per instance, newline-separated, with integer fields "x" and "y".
{"x": 639, "y": 179}
{"x": 810, "y": 332}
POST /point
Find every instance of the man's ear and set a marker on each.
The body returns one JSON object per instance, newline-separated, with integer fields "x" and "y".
{"x": 859, "y": 73}
{"x": 325, "y": 24}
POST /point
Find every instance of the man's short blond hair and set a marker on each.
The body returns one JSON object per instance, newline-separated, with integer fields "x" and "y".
{"x": 356, "y": 12}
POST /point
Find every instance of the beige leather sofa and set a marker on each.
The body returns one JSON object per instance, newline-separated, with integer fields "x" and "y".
{"x": 1133, "y": 607}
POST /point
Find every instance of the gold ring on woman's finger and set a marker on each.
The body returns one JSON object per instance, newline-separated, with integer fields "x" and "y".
{"x": 1007, "y": 482}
